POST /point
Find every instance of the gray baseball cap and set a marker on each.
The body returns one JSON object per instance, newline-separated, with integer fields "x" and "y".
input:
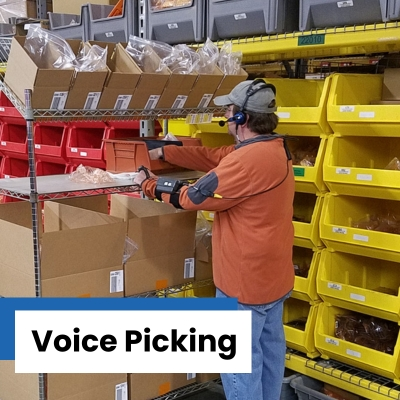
{"x": 257, "y": 102}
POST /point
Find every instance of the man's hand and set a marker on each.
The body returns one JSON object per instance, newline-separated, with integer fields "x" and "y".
{"x": 141, "y": 176}
{"x": 156, "y": 154}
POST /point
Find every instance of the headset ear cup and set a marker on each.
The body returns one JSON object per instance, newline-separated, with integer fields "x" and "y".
{"x": 240, "y": 118}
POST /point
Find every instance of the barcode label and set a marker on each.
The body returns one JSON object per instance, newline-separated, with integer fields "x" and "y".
{"x": 343, "y": 171}
{"x": 3, "y": 143}
{"x": 109, "y": 34}
{"x": 58, "y": 101}
{"x": 342, "y": 231}
{"x": 121, "y": 391}
{"x": 152, "y": 102}
{"x": 189, "y": 268}
{"x": 348, "y": 3}
{"x": 116, "y": 281}
{"x": 122, "y": 102}
{"x": 172, "y": 26}
{"x": 191, "y": 376}
{"x": 203, "y": 118}
{"x": 332, "y": 341}
{"x": 179, "y": 101}
{"x": 38, "y": 146}
{"x": 334, "y": 286}
{"x": 74, "y": 150}
{"x": 92, "y": 100}
{"x": 205, "y": 100}
{"x": 346, "y": 108}
{"x": 239, "y": 16}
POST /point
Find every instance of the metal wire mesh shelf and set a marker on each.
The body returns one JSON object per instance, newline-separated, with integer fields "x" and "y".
{"x": 195, "y": 387}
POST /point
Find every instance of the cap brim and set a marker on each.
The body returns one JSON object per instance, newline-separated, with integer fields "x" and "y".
{"x": 222, "y": 101}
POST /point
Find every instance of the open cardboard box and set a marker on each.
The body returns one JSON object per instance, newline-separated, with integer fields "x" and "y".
{"x": 228, "y": 82}
{"x": 165, "y": 238}
{"x": 81, "y": 252}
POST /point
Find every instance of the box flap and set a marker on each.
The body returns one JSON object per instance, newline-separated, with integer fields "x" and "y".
{"x": 228, "y": 82}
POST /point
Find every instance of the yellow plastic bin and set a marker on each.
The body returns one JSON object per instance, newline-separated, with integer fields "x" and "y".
{"x": 308, "y": 155}
{"x": 307, "y": 209}
{"x": 359, "y": 166}
{"x": 302, "y": 106}
{"x": 340, "y": 213}
{"x": 306, "y": 264}
{"x": 360, "y": 284}
{"x": 299, "y": 318}
{"x": 353, "y": 108}
{"x": 350, "y": 353}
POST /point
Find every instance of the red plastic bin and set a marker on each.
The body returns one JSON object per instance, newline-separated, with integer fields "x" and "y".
{"x": 13, "y": 138}
{"x": 51, "y": 142}
{"x": 14, "y": 168}
{"x": 85, "y": 144}
{"x": 48, "y": 168}
{"x": 7, "y": 110}
{"x": 129, "y": 154}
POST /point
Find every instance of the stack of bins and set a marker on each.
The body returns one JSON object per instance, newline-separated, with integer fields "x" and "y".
{"x": 359, "y": 269}
{"x": 302, "y": 115}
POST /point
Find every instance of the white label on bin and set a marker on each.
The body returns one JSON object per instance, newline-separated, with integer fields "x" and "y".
{"x": 332, "y": 341}
{"x": 92, "y": 100}
{"x": 342, "y": 231}
{"x": 83, "y": 154}
{"x": 6, "y": 176}
{"x": 58, "y": 101}
{"x": 172, "y": 26}
{"x": 283, "y": 115}
{"x": 367, "y": 114}
{"x": 27, "y": 26}
{"x": 353, "y": 353}
{"x": 364, "y": 177}
{"x": 347, "y": 3}
{"x": 4, "y": 143}
{"x": 74, "y": 150}
{"x": 361, "y": 238}
{"x": 335, "y": 286}
{"x": 179, "y": 101}
{"x": 343, "y": 171}
{"x": 347, "y": 108}
{"x": 38, "y": 146}
{"x": 122, "y": 102}
{"x": 191, "y": 376}
{"x": 239, "y": 16}
{"x": 189, "y": 268}
{"x": 152, "y": 102}
{"x": 121, "y": 391}
{"x": 109, "y": 34}
{"x": 116, "y": 281}
{"x": 2, "y": 109}
{"x": 357, "y": 297}
{"x": 205, "y": 100}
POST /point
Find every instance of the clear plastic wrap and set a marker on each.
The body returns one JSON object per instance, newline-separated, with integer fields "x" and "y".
{"x": 90, "y": 175}
{"x": 394, "y": 164}
{"x": 181, "y": 60}
{"x": 229, "y": 62}
{"x": 48, "y": 51}
{"x": 208, "y": 58}
{"x": 14, "y": 9}
{"x": 158, "y": 5}
{"x": 130, "y": 248}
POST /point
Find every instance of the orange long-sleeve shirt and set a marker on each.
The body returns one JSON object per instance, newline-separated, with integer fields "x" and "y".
{"x": 252, "y": 230}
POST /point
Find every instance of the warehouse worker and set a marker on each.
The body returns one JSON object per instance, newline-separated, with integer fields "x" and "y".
{"x": 250, "y": 186}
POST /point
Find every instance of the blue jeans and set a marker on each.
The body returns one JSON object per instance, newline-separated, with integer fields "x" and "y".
{"x": 268, "y": 355}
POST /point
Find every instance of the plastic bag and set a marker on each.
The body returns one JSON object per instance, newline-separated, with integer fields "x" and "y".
{"x": 394, "y": 164}
{"x": 230, "y": 63}
{"x": 90, "y": 175}
{"x": 91, "y": 58}
{"x": 181, "y": 60}
{"x": 208, "y": 58}
{"x": 130, "y": 248}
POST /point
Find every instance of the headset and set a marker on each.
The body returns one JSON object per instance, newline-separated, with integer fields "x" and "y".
{"x": 258, "y": 84}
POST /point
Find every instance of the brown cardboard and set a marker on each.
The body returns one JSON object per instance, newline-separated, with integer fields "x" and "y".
{"x": 22, "y": 73}
{"x": 78, "y": 249}
{"x": 123, "y": 78}
{"x": 165, "y": 239}
{"x": 74, "y": 6}
{"x": 59, "y": 386}
{"x": 149, "y": 386}
{"x": 203, "y": 89}
{"x": 391, "y": 84}
{"x": 21, "y": 28}
{"x": 206, "y": 377}
{"x": 229, "y": 82}
{"x": 177, "y": 90}
{"x": 203, "y": 258}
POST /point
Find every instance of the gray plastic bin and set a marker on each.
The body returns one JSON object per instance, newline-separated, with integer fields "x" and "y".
{"x": 331, "y": 13}
{"x": 394, "y": 10}
{"x": 184, "y": 23}
{"x": 70, "y": 26}
{"x": 308, "y": 389}
{"x": 287, "y": 392}
{"x": 7, "y": 30}
{"x": 245, "y": 18}
{"x": 112, "y": 29}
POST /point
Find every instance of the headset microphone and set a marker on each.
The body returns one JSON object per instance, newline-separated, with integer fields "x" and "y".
{"x": 223, "y": 123}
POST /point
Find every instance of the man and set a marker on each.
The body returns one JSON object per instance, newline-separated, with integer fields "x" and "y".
{"x": 250, "y": 186}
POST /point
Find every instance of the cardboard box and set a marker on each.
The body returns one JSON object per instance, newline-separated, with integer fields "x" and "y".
{"x": 74, "y": 6}
{"x": 81, "y": 252}
{"x": 206, "y": 377}
{"x": 21, "y": 28}
{"x": 228, "y": 82}
{"x": 59, "y": 386}
{"x": 203, "y": 89}
{"x": 150, "y": 386}
{"x": 204, "y": 258}
{"x": 22, "y": 73}
{"x": 391, "y": 84}
{"x": 165, "y": 237}
{"x": 122, "y": 81}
